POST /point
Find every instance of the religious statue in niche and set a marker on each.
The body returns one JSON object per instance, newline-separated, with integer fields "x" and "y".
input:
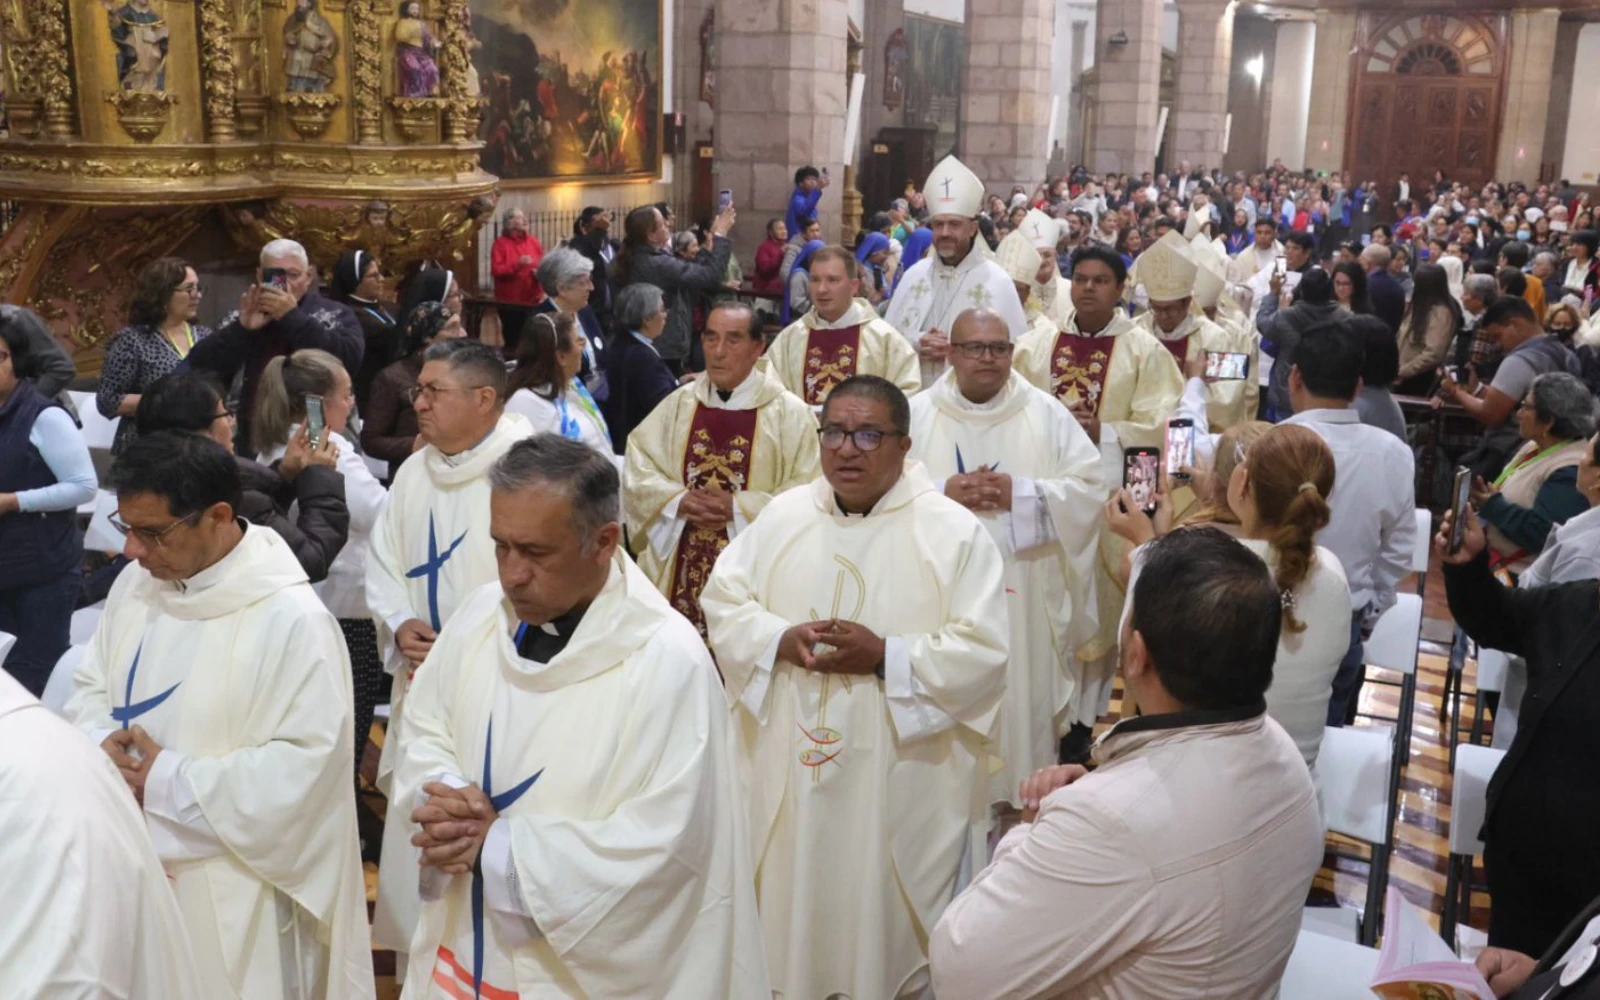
{"x": 310, "y": 47}
{"x": 894, "y": 70}
{"x": 708, "y": 58}
{"x": 140, "y": 34}
{"x": 416, "y": 72}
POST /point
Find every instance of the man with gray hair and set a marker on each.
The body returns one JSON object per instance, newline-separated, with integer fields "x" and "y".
{"x": 431, "y": 548}
{"x": 282, "y": 312}
{"x": 568, "y": 769}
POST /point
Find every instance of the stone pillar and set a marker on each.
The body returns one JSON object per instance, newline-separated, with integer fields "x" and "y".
{"x": 1331, "y": 66}
{"x": 1125, "y": 116}
{"x": 1522, "y": 121}
{"x": 1289, "y": 117}
{"x": 1006, "y": 100}
{"x": 780, "y": 106}
{"x": 1205, "y": 52}
{"x": 1564, "y": 70}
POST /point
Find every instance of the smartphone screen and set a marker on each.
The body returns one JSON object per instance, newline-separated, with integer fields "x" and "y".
{"x": 1180, "y": 447}
{"x": 724, "y": 200}
{"x": 1227, "y": 366}
{"x": 316, "y": 423}
{"x": 1141, "y": 473}
{"x": 1281, "y": 265}
{"x": 1458, "y": 507}
{"x": 277, "y": 277}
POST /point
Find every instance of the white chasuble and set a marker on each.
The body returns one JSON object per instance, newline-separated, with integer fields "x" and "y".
{"x": 932, "y": 294}
{"x": 241, "y": 675}
{"x": 88, "y": 908}
{"x": 755, "y": 444}
{"x": 862, "y": 792}
{"x": 1230, "y": 401}
{"x": 1250, "y": 261}
{"x": 1049, "y": 540}
{"x": 430, "y": 549}
{"x": 812, "y": 355}
{"x": 619, "y": 864}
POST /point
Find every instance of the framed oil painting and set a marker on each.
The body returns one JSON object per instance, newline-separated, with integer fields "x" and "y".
{"x": 573, "y": 89}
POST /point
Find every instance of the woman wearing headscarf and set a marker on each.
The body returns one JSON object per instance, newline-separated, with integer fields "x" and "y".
{"x": 797, "y": 292}
{"x": 916, "y": 248}
{"x": 1455, "y": 274}
{"x": 873, "y": 253}
{"x": 432, "y": 284}
{"x": 358, "y": 283}
{"x": 389, "y": 432}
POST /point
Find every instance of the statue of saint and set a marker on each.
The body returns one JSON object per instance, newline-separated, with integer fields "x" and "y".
{"x": 141, "y": 38}
{"x": 310, "y": 47}
{"x": 416, "y": 72}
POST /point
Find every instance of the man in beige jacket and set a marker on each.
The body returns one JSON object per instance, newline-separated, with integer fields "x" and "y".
{"x": 1179, "y": 867}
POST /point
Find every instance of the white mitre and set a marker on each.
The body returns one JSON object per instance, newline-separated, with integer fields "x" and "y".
{"x": 1211, "y": 277}
{"x": 1018, "y": 258}
{"x": 952, "y": 189}
{"x": 1041, "y": 230}
{"x": 1167, "y": 270}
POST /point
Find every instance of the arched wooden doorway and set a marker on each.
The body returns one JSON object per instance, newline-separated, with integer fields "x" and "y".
{"x": 1428, "y": 90}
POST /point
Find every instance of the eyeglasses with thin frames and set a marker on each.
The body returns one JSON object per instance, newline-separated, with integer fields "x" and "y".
{"x": 154, "y": 537}
{"x": 193, "y": 291}
{"x": 432, "y": 391}
{"x": 998, "y": 350}
{"x": 833, "y": 438}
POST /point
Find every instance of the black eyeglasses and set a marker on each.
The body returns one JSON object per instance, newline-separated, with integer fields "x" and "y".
{"x": 997, "y": 349}
{"x": 864, "y": 440}
{"x": 150, "y": 536}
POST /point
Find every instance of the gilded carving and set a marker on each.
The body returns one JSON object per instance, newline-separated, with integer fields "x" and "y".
{"x": 309, "y": 113}
{"x": 415, "y": 117}
{"x": 217, "y": 65}
{"x": 141, "y": 113}
{"x": 48, "y": 20}
{"x": 453, "y": 54}
{"x": 366, "y": 74}
{"x": 18, "y": 256}
{"x": 401, "y": 234}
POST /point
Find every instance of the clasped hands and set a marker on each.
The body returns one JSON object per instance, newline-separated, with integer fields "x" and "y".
{"x": 134, "y": 753}
{"x": 982, "y": 490}
{"x": 856, "y": 649}
{"x": 934, "y": 345}
{"x": 454, "y": 822}
{"x": 706, "y": 508}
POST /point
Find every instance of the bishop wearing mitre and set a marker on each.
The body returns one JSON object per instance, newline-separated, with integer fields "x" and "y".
{"x": 1052, "y": 293}
{"x": 1169, "y": 272}
{"x": 958, "y": 275}
{"x": 1121, "y": 385}
{"x": 1018, "y": 258}
{"x": 860, "y": 624}
{"x": 840, "y": 336}
{"x": 711, "y": 456}
{"x": 1015, "y": 457}
{"x": 219, "y": 686}
{"x": 430, "y": 549}
{"x": 567, "y": 771}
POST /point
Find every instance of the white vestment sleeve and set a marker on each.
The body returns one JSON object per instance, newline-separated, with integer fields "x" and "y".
{"x": 432, "y": 882}
{"x": 1031, "y": 524}
{"x": 387, "y": 596}
{"x": 754, "y": 698}
{"x": 172, "y": 812}
{"x": 743, "y": 633}
{"x": 1110, "y": 456}
{"x": 667, "y": 528}
{"x": 912, "y": 710}
{"x": 501, "y": 893}
{"x": 1192, "y": 405}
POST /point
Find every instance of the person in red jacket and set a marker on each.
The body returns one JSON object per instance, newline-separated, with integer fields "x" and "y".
{"x": 769, "y": 259}
{"x": 514, "y": 264}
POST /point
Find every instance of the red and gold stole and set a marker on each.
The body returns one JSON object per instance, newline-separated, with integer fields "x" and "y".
{"x": 718, "y": 455}
{"x": 1078, "y": 369}
{"x": 1179, "y": 349}
{"x": 831, "y": 357}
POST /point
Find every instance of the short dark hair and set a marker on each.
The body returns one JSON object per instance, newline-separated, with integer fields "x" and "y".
{"x": 1588, "y": 238}
{"x": 1302, "y": 240}
{"x": 1511, "y": 281}
{"x": 878, "y": 222}
{"x": 1264, "y": 221}
{"x": 585, "y": 218}
{"x": 1506, "y": 308}
{"x": 806, "y": 173}
{"x": 14, "y": 333}
{"x": 806, "y": 222}
{"x": 480, "y": 361}
{"x": 1381, "y": 228}
{"x": 755, "y": 326}
{"x": 182, "y": 401}
{"x": 588, "y": 479}
{"x": 1316, "y": 287}
{"x": 190, "y": 471}
{"x": 1330, "y": 359}
{"x": 1106, "y": 256}
{"x": 1516, "y": 253}
{"x": 877, "y": 389}
{"x": 1380, "y": 364}
{"x": 1210, "y": 615}
{"x": 1163, "y": 220}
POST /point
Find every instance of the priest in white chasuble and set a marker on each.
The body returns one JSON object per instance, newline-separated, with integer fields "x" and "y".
{"x": 710, "y": 457}
{"x": 1261, "y": 254}
{"x": 955, "y": 277}
{"x": 220, "y": 687}
{"x": 1168, "y": 270}
{"x": 430, "y": 549}
{"x": 861, "y": 627}
{"x": 88, "y": 908}
{"x": 571, "y": 776}
{"x": 1121, "y": 385}
{"x": 1015, "y": 457}
{"x": 1053, "y": 292}
{"x": 840, "y": 336}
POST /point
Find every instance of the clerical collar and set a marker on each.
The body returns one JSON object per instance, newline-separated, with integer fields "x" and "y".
{"x": 723, "y": 394}
{"x": 543, "y": 643}
{"x": 838, "y": 505}
{"x": 1077, "y": 324}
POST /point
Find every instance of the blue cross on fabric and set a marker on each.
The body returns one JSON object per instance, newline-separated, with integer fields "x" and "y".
{"x": 501, "y": 802}
{"x": 432, "y": 568}
{"x": 130, "y": 711}
{"x": 961, "y": 466}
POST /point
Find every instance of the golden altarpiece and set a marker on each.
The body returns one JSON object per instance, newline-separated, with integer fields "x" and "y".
{"x": 134, "y": 125}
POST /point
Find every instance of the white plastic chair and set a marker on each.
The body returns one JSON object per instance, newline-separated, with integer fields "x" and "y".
{"x": 1325, "y": 968}
{"x": 1354, "y": 786}
{"x": 84, "y": 622}
{"x": 1395, "y": 641}
{"x": 59, "y": 688}
{"x": 100, "y": 536}
{"x": 98, "y": 432}
{"x": 1494, "y": 668}
{"x": 1469, "y": 791}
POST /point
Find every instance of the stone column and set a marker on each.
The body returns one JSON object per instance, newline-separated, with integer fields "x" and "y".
{"x": 780, "y": 106}
{"x": 1522, "y": 120}
{"x": 1006, "y": 100}
{"x": 1205, "y": 53}
{"x": 1564, "y": 70}
{"x": 1124, "y": 135}
{"x": 1331, "y": 66}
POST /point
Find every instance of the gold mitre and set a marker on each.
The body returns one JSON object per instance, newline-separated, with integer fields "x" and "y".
{"x": 1167, "y": 270}
{"x": 1212, "y": 276}
{"x": 1018, "y": 258}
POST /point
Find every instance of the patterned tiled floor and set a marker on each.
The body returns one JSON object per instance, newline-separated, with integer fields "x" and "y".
{"x": 1418, "y": 864}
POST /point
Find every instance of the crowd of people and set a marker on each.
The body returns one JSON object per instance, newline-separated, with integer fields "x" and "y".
{"x": 724, "y": 628}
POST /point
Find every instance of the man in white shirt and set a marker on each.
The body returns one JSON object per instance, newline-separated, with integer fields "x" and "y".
{"x": 1179, "y": 867}
{"x": 1373, "y": 529}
